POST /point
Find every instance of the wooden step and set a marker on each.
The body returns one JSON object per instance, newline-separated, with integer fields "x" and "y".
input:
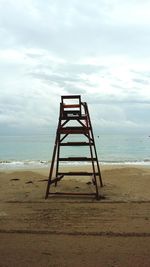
{"x": 71, "y": 105}
{"x": 76, "y": 144}
{"x": 72, "y": 193}
{"x": 77, "y": 159}
{"x": 70, "y": 96}
{"x": 73, "y": 117}
{"x": 74, "y": 130}
{"x": 77, "y": 173}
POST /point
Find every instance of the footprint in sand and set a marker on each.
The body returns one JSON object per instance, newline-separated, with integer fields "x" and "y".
{"x": 89, "y": 183}
{"x": 29, "y": 182}
{"x": 3, "y": 214}
{"x": 43, "y": 180}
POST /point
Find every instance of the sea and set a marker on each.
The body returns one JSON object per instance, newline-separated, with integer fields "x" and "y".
{"x": 35, "y": 151}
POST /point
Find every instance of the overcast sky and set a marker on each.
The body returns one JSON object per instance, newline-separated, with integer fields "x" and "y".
{"x": 99, "y": 49}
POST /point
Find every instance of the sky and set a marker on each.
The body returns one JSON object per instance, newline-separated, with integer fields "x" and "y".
{"x": 98, "y": 49}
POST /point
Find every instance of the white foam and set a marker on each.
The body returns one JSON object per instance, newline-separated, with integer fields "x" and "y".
{"x": 29, "y": 164}
{"x": 23, "y": 164}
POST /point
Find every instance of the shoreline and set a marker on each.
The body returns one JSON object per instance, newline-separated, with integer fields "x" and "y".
{"x": 14, "y": 167}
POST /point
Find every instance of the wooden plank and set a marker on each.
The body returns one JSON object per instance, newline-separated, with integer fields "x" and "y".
{"x": 71, "y": 105}
{"x": 74, "y": 117}
{"x": 76, "y": 144}
{"x": 74, "y": 130}
{"x": 72, "y": 193}
{"x": 70, "y": 96}
{"x": 77, "y": 173}
{"x": 77, "y": 159}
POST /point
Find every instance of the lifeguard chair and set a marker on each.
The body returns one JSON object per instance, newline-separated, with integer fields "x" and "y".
{"x": 73, "y": 110}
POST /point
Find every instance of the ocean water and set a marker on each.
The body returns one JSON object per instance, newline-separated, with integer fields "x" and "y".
{"x": 36, "y": 150}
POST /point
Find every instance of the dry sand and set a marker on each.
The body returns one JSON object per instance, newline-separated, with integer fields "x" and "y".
{"x": 75, "y": 231}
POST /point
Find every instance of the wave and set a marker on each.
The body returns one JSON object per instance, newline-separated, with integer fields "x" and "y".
{"x": 30, "y": 164}
{"x": 13, "y": 164}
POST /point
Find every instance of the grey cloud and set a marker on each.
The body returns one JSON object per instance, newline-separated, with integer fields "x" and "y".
{"x": 66, "y": 75}
{"x": 139, "y": 113}
{"x": 70, "y": 85}
{"x": 72, "y": 90}
{"x": 141, "y": 81}
{"x": 144, "y": 73}
{"x": 28, "y": 111}
{"x": 132, "y": 98}
{"x": 46, "y": 31}
{"x": 64, "y": 82}
{"x": 34, "y": 55}
{"x": 73, "y": 69}
{"x": 55, "y": 78}
{"x": 72, "y": 29}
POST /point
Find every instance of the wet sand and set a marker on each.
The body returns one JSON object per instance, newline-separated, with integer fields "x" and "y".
{"x": 73, "y": 230}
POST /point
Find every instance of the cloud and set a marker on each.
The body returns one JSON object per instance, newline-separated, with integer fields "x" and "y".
{"x": 95, "y": 48}
{"x": 142, "y": 81}
{"x": 73, "y": 91}
{"x": 74, "y": 28}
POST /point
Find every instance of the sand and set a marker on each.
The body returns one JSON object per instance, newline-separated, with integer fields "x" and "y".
{"x": 72, "y": 230}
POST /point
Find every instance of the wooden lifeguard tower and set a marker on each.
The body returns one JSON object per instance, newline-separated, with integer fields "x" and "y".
{"x": 73, "y": 110}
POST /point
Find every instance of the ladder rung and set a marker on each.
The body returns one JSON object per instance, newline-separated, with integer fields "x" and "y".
{"x": 77, "y": 159}
{"x": 76, "y": 144}
{"x": 71, "y": 106}
{"x": 73, "y": 112}
{"x": 70, "y": 96}
{"x": 72, "y": 193}
{"x": 78, "y": 173}
{"x": 73, "y": 117}
{"x": 74, "y": 130}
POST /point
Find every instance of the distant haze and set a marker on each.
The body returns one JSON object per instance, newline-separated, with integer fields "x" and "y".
{"x": 99, "y": 49}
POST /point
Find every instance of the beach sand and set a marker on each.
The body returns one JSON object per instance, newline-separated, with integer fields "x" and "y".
{"x": 73, "y": 230}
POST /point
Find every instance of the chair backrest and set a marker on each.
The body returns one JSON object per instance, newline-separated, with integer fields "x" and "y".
{"x": 71, "y": 106}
